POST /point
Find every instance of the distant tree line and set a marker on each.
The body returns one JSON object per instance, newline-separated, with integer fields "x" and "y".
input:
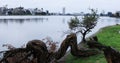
{"x": 22, "y": 11}
{"x": 110, "y": 14}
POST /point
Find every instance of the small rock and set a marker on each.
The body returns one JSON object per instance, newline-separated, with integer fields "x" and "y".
{"x": 119, "y": 32}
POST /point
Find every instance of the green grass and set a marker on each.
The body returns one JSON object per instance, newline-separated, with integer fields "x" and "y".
{"x": 109, "y": 36}
{"x": 92, "y": 59}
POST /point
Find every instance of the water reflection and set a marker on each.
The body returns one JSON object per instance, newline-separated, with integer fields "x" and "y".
{"x": 63, "y": 20}
{"x": 117, "y": 20}
{"x": 21, "y": 21}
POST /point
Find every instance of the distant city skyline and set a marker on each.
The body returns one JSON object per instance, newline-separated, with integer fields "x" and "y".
{"x": 71, "y": 6}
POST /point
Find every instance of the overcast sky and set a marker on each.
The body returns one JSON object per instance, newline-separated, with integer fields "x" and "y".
{"x": 70, "y": 5}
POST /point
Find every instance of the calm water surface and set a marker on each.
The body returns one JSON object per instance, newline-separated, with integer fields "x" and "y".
{"x": 18, "y": 30}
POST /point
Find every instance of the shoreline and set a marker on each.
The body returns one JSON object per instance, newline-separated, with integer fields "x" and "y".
{"x": 80, "y": 45}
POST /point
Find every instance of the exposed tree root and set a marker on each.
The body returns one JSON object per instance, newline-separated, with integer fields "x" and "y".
{"x": 111, "y": 55}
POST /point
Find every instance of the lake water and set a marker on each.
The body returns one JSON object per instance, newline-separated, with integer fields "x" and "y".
{"x": 18, "y": 30}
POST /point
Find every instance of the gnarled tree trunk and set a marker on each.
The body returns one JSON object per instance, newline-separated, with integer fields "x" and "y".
{"x": 38, "y": 50}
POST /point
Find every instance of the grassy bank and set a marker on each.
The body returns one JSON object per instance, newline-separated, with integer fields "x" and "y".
{"x": 109, "y": 36}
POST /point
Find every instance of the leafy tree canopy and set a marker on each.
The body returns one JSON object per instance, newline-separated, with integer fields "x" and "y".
{"x": 88, "y": 22}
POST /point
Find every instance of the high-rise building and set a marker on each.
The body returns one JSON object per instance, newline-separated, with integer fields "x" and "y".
{"x": 63, "y": 11}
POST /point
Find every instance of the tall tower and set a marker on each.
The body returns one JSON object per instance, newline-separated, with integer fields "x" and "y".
{"x": 63, "y": 11}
